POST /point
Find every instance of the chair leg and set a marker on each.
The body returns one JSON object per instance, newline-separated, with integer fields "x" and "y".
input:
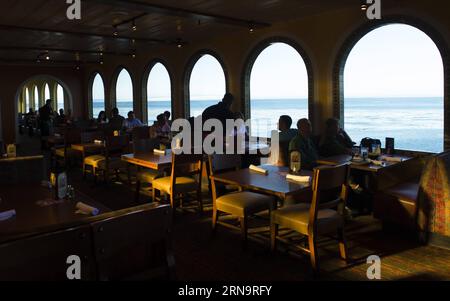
{"x": 273, "y": 236}
{"x": 138, "y": 190}
{"x": 313, "y": 253}
{"x": 244, "y": 230}
{"x": 154, "y": 195}
{"x": 342, "y": 244}
{"x": 84, "y": 171}
{"x": 200, "y": 201}
{"x": 215, "y": 219}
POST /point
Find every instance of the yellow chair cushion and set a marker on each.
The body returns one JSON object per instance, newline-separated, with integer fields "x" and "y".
{"x": 93, "y": 160}
{"x": 113, "y": 164}
{"x": 184, "y": 184}
{"x": 147, "y": 176}
{"x": 296, "y": 217}
{"x": 244, "y": 203}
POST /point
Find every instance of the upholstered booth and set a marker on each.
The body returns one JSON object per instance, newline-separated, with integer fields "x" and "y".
{"x": 419, "y": 199}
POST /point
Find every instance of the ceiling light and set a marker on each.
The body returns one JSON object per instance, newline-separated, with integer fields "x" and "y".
{"x": 115, "y": 32}
{"x": 47, "y": 57}
{"x": 251, "y": 27}
{"x": 134, "y": 27}
{"x": 179, "y": 43}
{"x": 363, "y": 7}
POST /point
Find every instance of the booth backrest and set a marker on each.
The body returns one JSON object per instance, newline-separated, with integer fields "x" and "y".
{"x": 434, "y": 196}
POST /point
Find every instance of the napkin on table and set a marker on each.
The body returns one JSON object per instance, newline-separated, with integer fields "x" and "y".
{"x": 159, "y": 152}
{"x": 259, "y": 169}
{"x": 86, "y": 209}
{"x": 7, "y": 215}
{"x": 300, "y": 179}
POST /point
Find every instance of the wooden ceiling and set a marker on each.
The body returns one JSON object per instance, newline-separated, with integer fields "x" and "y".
{"x": 32, "y": 28}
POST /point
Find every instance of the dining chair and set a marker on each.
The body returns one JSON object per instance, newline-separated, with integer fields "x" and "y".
{"x": 321, "y": 217}
{"x": 241, "y": 204}
{"x": 111, "y": 159}
{"x": 145, "y": 175}
{"x": 185, "y": 179}
{"x": 65, "y": 153}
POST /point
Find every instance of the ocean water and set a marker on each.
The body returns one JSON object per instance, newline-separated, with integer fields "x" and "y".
{"x": 415, "y": 123}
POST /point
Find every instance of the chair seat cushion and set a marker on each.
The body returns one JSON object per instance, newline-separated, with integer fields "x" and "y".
{"x": 147, "y": 176}
{"x": 113, "y": 164}
{"x": 405, "y": 192}
{"x": 184, "y": 184}
{"x": 296, "y": 217}
{"x": 93, "y": 160}
{"x": 244, "y": 203}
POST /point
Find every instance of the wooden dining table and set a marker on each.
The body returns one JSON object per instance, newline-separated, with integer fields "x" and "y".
{"x": 89, "y": 147}
{"x": 38, "y": 212}
{"x": 149, "y": 160}
{"x": 367, "y": 167}
{"x": 274, "y": 183}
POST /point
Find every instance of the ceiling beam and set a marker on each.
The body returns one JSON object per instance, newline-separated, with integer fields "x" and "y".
{"x": 178, "y": 12}
{"x": 74, "y": 51}
{"x": 79, "y": 34}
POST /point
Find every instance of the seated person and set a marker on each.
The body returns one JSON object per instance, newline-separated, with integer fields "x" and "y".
{"x": 61, "y": 118}
{"x": 116, "y": 121}
{"x": 167, "y": 114}
{"x": 131, "y": 122}
{"x": 69, "y": 118}
{"x": 304, "y": 144}
{"x": 102, "y": 119}
{"x": 162, "y": 127}
{"x": 286, "y": 134}
{"x": 334, "y": 142}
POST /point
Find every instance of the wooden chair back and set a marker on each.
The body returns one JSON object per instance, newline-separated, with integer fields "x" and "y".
{"x": 139, "y": 133}
{"x": 142, "y": 146}
{"x": 186, "y": 165}
{"x": 218, "y": 164}
{"x": 328, "y": 179}
{"x": 72, "y": 135}
{"x": 116, "y": 146}
{"x": 44, "y": 257}
{"x": 91, "y": 136}
{"x": 134, "y": 243}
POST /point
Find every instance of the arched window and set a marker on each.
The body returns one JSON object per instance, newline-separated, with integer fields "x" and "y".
{"x": 60, "y": 97}
{"x": 36, "y": 97}
{"x": 393, "y": 81}
{"x": 27, "y": 100}
{"x": 124, "y": 92}
{"x": 207, "y": 84}
{"x": 159, "y": 93}
{"x": 47, "y": 92}
{"x": 98, "y": 95}
{"x": 278, "y": 86}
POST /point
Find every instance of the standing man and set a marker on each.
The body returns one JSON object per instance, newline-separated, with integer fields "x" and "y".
{"x": 45, "y": 119}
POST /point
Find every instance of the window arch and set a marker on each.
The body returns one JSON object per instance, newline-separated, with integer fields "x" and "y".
{"x": 37, "y": 100}
{"x": 59, "y": 97}
{"x": 404, "y": 82}
{"x": 124, "y": 92}
{"x": 47, "y": 92}
{"x": 27, "y": 100}
{"x": 279, "y": 85}
{"x": 97, "y": 95}
{"x": 158, "y": 91}
{"x": 206, "y": 82}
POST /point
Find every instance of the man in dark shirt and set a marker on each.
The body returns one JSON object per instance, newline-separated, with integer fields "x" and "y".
{"x": 304, "y": 144}
{"x": 45, "y": 114}
{"x": 335, "y": 141}
{"x": 220, "y": 111}
{"x": 116, "y": 122}
{"x": 285, "y": 136}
